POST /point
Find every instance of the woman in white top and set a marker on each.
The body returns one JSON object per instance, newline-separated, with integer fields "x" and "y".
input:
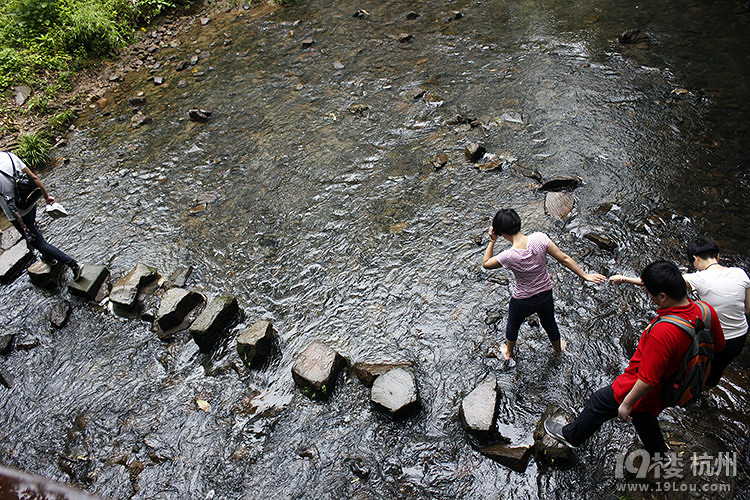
{"x": 727, "y": 289}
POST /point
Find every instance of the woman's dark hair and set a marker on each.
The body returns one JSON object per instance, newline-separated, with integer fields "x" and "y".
{"x": 705, "y": 248}
{"x": 662, "y": 276}
{"x": 506, "y": 221}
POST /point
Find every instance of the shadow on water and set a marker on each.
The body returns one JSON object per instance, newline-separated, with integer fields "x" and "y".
{"x": 325, "y": 216}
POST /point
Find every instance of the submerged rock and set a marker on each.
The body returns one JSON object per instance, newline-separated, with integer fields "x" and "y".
{"x": 478, "y": 409}
{"x": 175, "y": 310}
{"x": 561, "y": 183}
{"x": 315, "y": 370}
{"x": 139, "y": 119}
{"x": 439, "y": 161}
{"x": 59, "y": 313}
{"x": 474, "y": 152}
{"x": 6, "y": 378}
{"x": 6, "y": 342}
{"x": 92, "y": 279}
{"x": 602, "y": 241}
{"x": 255, "y": 344}
{"x": 395, "y": 392}
{"x": 514, "y": 457}
{"x": 367, "y": 372}
{"x": 632, "y": 36}
{"x": 208, "y": 328}
{"x": 199, "y": 115}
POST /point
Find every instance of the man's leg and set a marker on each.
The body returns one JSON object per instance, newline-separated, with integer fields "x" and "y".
{"x": 723, "y": 358}
{"x": 647, "y": 427}
{"x": 600, "y": 407}
{"x": 48, "y": 251}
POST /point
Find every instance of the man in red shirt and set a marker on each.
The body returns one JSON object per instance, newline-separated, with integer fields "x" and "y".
{"x": 636, "y": 395}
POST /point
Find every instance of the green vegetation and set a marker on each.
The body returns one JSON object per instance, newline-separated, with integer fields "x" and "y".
{"x": 34, "y": 150}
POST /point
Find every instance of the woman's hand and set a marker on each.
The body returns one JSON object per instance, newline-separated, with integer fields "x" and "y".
{"x": 493, "y": 236}
{"x": 595, "y": 278}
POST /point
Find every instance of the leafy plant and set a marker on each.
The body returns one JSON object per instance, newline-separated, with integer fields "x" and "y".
{"x": 34, "y": 150}
{"x": 62, "y": 119}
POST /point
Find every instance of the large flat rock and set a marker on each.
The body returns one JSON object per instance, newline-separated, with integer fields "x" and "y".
{"x": 14, "y": 260}
{"x": 211, "y": 325}
{"x": 91, "y": 280}
{"x": 255, "y": 344}
{"x": 479, "y": 408}
{"x": 125, "y": 290}
{"x": 175, "y": 310}
{"x": 395, "y": 392}
{"x": 315, "y": 370}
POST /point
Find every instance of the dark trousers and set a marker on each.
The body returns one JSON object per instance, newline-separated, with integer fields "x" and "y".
{"x": 723, "y": 358}
{"x": 48, "y": 251}
{"x": 520, "y": 309}
{"x": 601, "y": 407}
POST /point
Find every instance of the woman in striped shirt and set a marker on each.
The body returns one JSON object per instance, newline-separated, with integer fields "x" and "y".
{"x": 532, "y": 293}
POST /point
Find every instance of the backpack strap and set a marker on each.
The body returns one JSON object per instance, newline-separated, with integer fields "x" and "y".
{"x": 12, "y": 167}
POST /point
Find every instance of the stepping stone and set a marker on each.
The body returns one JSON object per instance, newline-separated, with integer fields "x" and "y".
{"x": 515, "y": 458}
{"x": 125, "y": 290}
{"x": 91, "y": 280}
{"x": 11, "y": 236}
{"x": 478, "y": 409}
{"x": 367, "y": 372}
{"x": 175, "y": 310}
{"x": 546, "y": 448}
{"x": 558, "y": 204}
{"x": 14, "y": 260}
{"x": 315, "y": 370}
{"x": 44, "y": 275}
{"x": 211, "y": 325}
{"x": 59, "y": 313}
{"x": 395, "y": 392}
{"x": 255, "y": 344}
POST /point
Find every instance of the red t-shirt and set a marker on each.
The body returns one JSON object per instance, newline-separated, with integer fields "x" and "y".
{"x": 658, "y": 356}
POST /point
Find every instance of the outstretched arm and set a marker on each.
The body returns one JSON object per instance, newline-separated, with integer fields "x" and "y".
{"x": 619, "y": 279}
{"x": 568, "y": 262}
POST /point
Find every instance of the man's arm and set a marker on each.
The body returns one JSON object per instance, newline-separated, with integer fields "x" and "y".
{"x": 639, "y": 390}
{"x": 39, "y": 184}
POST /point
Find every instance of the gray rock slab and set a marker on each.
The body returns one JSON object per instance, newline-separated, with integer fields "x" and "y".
{"x": 125, "y": 290}
{"x": 255, "y": 344}
{"x": 395, "y": 392}
{"x": 546, "y": 448}
{"x": 6, "y": 342}
{"x": 514, "y": 457}
{"x": 316, "y": 368}
{"x": 558, "y": 204}
{"x": 6, "y": 378}
{"x": 92, "y": 279}
{"x": 13, "y": 261}
{"x": 44, "y": 275}
{"x": 59, "y": 313}
{"x": 11, "y": 236}
{"x": 175, "y": 309}
{"x": 478, "y": 409}
{"x": 211, "y": 325}
{"x": 368, "y": 371}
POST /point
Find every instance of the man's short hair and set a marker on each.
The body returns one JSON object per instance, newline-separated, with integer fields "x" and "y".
{"x": 663, "y": 276}
{"x": 506, "y": 221}
{"x": 705, "y": 248}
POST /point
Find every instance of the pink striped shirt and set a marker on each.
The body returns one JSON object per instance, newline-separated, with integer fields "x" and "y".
{"x": 529, "y": 266}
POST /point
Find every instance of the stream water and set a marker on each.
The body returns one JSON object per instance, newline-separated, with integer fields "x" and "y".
{"x": 328, "y": 219}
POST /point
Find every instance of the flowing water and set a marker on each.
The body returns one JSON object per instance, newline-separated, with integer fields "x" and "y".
{"x": 327, "y": 218}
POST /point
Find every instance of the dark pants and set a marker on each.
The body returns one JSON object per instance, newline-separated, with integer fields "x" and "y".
{"x": 601, "y": 407}
{"x": 520, "y": 309}
{"x": 723, "y": 358}
{"x": 48, "y": 251}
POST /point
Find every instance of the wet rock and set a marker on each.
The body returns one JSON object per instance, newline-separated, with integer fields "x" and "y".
{"x": 439, "y": 161}
{"x": 632, "y": 36}
{"x": 255, "y": 344}
{"x": 27, "y": 343}
{"x": 361, "y": 14}
{"x": 6, "y": 378}
{"x": 205, "y": 20}
{"x": 358, "y": 109}
{"x": 137, "y": 101}
{"x": 496, "y": 164}
{"x": 558, "y": 204}
{"x": 514, "y": 457}
{"x": 181, "y": 66}
{"x": 512, "y": 117}
{"x": 11, "y": 236}
{"x": 338, "y": 65}
{"x": 368, "y": 371}
{"x": 6, "y": 342}
{"x": 194, "y": 60}
{"x": 22, "y": 93}
{"x": 158, "y": 80}
{"x": 91, "y": 281}
{"x": 405, "y": 37}
{"x": 602, "y": 241}
{"x": 199, "y": 115}
{"x": 395, "y": 392}
{"x": 546, "y": 448}
{"x": 182, "y": 84}
{"x": 307, "y": 43}
{"x": 561, "y": 183}
{"x": 478, "y": 409}
{"x": 474, "y": 152}
{"x": 454, "y": 16}
{"x": 178, "y": 278}
{"x": 528, "y": 172}
{"x": 45, "y": 275}
{"x": 59, "y": 313}
{"x": 315, "y": 370}
{"x": 499, "y": 279}
{"x": 494, "y": 316}
{"x": 125, "y": 290}
{"x": 14, "y": 260}
{"x": 211, "y": 325}
{"x": 178, "y": 306}
{"x": 413, "y": 15}
{"x": 139, "y": 119}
